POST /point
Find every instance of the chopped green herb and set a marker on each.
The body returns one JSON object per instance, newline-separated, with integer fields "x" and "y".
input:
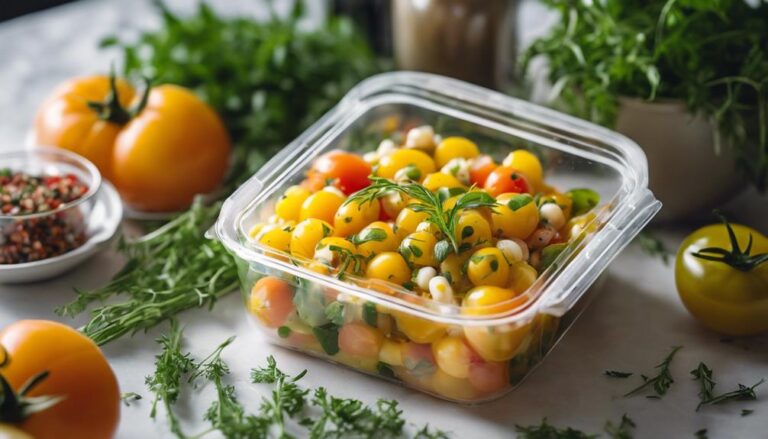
{"x": 442, "y": 250}
{"x": 743, "y": 393}
{"x": 328, "y": 336}
{"x": 518, "y": 201}
{"x": 621, "y": 431}
{"x": 370, "y": 314}
{"x": 617, "y": 374}
{"x": 548, "y": 431}
{"x": 661, "y": 382}
{"x": 372, "y": 234}
{"x": 129, "y": 397}
{"x": 703, "y": 375}
{"x": 335, "y": 313}
{"x": 284, "y": 332}
{"x": 701, "y": 434}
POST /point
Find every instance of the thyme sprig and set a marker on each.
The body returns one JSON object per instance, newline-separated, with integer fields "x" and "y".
{"x": 743, "y": 393}
{"x": 662, "y": 381}
{"x": 703, "y": 375}
{"x": 427, "y": 202}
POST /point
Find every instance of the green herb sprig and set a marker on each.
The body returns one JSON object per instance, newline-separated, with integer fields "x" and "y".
{"x": 168, "y": 271}
{"x": 429, "y": 203}
{"x": 703, "y": 374}
{"x": 743, "y": 393}
{"x": 662, "y": 381}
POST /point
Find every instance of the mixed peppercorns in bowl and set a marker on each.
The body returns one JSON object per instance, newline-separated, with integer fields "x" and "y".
{"x": 46, "y": 197}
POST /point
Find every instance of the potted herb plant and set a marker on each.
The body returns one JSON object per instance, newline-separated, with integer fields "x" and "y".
{"x": 686, "y": 79}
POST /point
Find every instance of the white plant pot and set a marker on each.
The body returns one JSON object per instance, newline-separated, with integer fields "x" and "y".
{"x": 687, "y": 173}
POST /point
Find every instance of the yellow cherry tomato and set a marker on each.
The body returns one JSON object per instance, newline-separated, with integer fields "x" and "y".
{"x": 335, "y": 251}
{"x": 408, "y": 220}
{"x": 500, "y": 342}
{"x": 277, "y": 237}
{"x": 389, "y": 266}
{"x": 255, "y": 230}
{"x": 454, "y": 356}
{"x": 527, "y": 163}
{"x": 451, "y": 387}
{"x": 352, "y": 217}
{"x": 393, "y": 203}
{"x": 376, "y": 238}
{"x": 419, "y": 248}
{"x": 453, "y": 148}
{"x": 451, "y": 269}
{"x": 472, "y": 228}
{"x": 521, "y": 276}
{"x": 307, "y": 234}
{"x": 321, "y": 205}
{"x": 721, "y": 273}
{"x": 288, "y": 207}
{"x": 391, "y": 353}
{"x": 418, "y": 329}
{"x": 488, "y": 266}
{"x": 516, "y": 216}
{"x": 438, "y": 180}
{"x": 399, "y": 159}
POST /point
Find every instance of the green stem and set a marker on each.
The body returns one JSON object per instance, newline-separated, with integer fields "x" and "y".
{"x": 735, "y": 257}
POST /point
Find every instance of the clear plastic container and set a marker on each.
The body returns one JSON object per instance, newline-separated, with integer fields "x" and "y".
{"x": 511, "y": 342}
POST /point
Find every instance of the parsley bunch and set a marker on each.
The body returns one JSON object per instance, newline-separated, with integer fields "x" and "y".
{"x": 710, "y": 54}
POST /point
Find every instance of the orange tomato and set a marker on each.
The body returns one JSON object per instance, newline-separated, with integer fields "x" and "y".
{"x": 359, "y": 339}
{"x": 348, "y": 171}
{"x": 77, "y": 371}
{"x": 506, "y": 179}
{"x": 159, "y": 158}
{"x": 481, "y": 167}
{"x": 271, "y": 301}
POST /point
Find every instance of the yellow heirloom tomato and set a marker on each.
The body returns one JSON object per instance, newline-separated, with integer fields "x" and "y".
{"x": 454, "y": 356}
{"x": 527, "y": 163}
{"x": 389, "y": 266}
{"x": 288, "y": 207}
{"x": 516, "y": 216}
{"x": 451, "y": 268}
{"x": 322, "y": 205}
{"x": 276, "y": 236}
{"x": 419, "y": 248}
{"x": 472, "y": 228}
{"x": 307, "y": 234}
{"x": 521, "y": 276}
{"x": 494, "y": 343}
{"x": 488, "y": 266}
{"x": 438, "y": 180}
{"x": 376, "y": 238}
{"x": 453, "y": 148}
{"x": 417, "y": 329}
{"x": 408, "y": 220}
{"x": 352, "y": 217}
{"x": 400, "y": 158}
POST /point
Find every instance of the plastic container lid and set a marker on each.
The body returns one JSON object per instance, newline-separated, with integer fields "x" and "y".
{"x": 580, "y": 154}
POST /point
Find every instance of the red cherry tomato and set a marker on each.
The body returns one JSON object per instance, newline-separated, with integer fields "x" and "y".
{"x": 481, "y": 167}
{"x": 506, "y": 179}
{"x": 348, "y": 171}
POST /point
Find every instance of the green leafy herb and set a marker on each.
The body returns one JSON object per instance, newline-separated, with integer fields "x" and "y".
{"x": 746, "y": 412}
{"x": 350, "y": 417}
{"x": 335, "y": 313}
{"x": 328, "y": 337}
{"x": 430, "y": 203}
{"x": 621, "y": 431}
{"x": 385, "y": 370}
{"x": 617, "y": 374}
{"x": 743, "y": 393}
{"x": 371, "y": 234}
{"x": 709, "y": 54}
{"x": 284, "y": 332}
{"x": 129, "y": 397}
{"x": 584, "y": 200}
{"x": 168, "y": 271}
{"x": 548, "y": 431}
{"x": 170, "y": 368}
{"x": 701, "y": 434}
{"x": 661, "y": 382}
{"x": 518, "y": 201}
{"x": 370, "y": 314}
{"x": 287, "y": 397}
{"x": 442, "y": 250}
{"x": 653, "y": 245}
{"x": 427, "y": 433}
{"x": 550, "y": 253}
{"x": 703, "y": 375}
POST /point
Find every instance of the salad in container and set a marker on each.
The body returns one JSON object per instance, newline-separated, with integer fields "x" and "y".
{"x": 434, "y": 233}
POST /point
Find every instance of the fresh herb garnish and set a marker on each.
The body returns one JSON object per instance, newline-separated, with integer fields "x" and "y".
{"x": 701, "y": 434}
{"x": 743, "y": 393}
{"x": 335, "y": 313}
{"x": 621, "y": 431}
{"x": 342, "y": 417}
{"x": 547, "y": 431}
{"x": 617, "y": 374}
{"x": 428, "y": 202}
{"x": 328, "y": 337}
{"x": 653, "y": 245}
{"x": 370, "y": 314}
{"x": 746, "y": 412}
{"x": 661, "y": 382}
{"x": 703, "y": 375}
{"x": 129, "y": 397}
{"x": 168, "y": 271}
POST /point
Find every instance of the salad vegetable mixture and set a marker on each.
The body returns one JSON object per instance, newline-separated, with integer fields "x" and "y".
{"x": 434, "y": 223}
{"x": 39, "y": 237}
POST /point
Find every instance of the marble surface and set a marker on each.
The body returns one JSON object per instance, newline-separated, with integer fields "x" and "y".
{"x": 631, "y": 325}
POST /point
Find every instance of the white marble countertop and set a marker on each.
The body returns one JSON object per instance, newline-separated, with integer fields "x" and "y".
{"x": 631, "y": 325}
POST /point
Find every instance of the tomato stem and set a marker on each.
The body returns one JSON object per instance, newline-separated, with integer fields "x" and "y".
{"x": 111, "y": 110}
{"x": 735, "y": 257}
{"x": 17, "y": 406}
